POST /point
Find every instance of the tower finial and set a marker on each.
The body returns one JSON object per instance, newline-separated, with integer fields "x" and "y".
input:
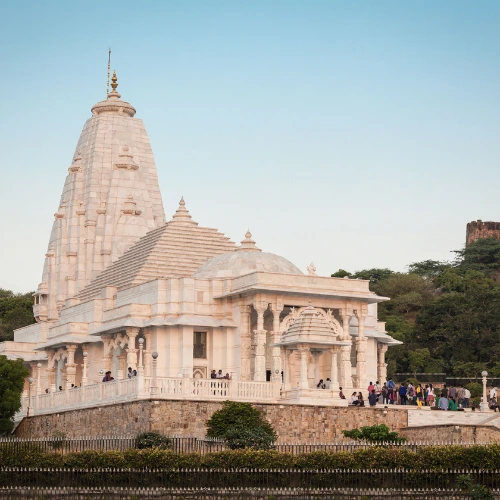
{"x": 114, "y": 81}
{"x": 109, "y": 66}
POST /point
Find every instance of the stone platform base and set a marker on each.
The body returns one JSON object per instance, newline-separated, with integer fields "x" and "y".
{"x": 294, "y": 423}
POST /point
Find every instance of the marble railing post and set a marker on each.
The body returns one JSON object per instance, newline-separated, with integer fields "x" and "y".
{"x": 345, "y": 354}
{"x": 276, "y": 351}
{"x": 132, "y": 333}
{"x": 245, "y": 342}
{"x": 84, "y": 374}
{"x": 304, "y": 382}
{"x": 381, "y": 364}
{"x": 260, "y": 342}
{"x": 154, "y": 382}
{"x": 140, "y": 369}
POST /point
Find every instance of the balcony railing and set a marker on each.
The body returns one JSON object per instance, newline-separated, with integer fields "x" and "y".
{"x": 140, "y": 387}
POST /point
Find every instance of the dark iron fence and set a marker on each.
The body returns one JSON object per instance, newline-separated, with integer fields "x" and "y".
{"x": 210, "y": 479}
{"x": 230, "y": 494}
{"x": 190, "y": 444}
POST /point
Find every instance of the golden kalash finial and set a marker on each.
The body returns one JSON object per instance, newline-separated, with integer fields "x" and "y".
{"x": 114, "y": 81}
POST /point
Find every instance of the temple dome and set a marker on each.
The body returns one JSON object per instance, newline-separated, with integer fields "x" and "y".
{"x": 113, "y": 103}
{"x": 245, "y": 259}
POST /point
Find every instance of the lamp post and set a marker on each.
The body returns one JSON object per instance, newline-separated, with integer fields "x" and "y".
{"x": 30, "y": 384}
{"x": 154, "y": 387}
{"x": 484, "y": 402}
{"x": 141, "y": 347}
{"x": 84, "y": 378}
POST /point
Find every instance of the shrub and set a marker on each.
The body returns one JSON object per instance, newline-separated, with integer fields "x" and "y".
{"x": 241, "y": 426}
{"x": 240, "y": 437}
{"x": 428, "y": 458}
{"x": 152, "y": 440}
{"x": 475, "y": 491}
{"x": 375, "y": 434}
{"x": 476, "y": 389}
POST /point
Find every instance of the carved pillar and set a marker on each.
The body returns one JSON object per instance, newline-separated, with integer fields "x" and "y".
{"x": 122, "y": 366}
{"x": 276, "y": 351}
{"x": 381, "y": 364}
{"x": 132, "y": 333}
{"x": 85, "y": 379}
{"x": 70, "y": 365}
{"x": 345, "y": 354}
{"x": 147, "y": 352}
{"x": 51, "y": 370}
{"x": 286, "y": 369}
{"x": 107, "y": 354}
{"x": 304, "y": 352}
{"x": 245, "y": 342}
{"x": 316, "y": 355}
{"x": 334, "y": 385}
{"x": 361, "y": 344}
{"x": 260, "y": 342}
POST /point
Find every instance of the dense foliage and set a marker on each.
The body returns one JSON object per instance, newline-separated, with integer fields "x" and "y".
{"x": 432, "y": 458}
{"x": 15, "y": 312}
{"x": 446, "y": 313}
{"x": 12, "y": 375}
{"x": 374, "y": 434}
{"x": 147, "y": 440}
{"x": 241, "y": 426}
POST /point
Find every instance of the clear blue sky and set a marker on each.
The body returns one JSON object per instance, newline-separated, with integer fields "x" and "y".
{"x": 351, "y": 134}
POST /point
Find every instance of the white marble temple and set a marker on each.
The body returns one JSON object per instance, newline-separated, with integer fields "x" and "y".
{"x": 121, "y": 285}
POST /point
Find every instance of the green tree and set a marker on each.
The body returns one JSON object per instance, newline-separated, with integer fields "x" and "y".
{"x": 375, "y": 275}
{"x": 462, "y": 323}
{"x": 417, "y": 359}
{"x": 374, "y": 434}
{"x": 15, "y": 312}
{"x": 341, "y": 274}
{"x": 241, "y": 426}
{"x": 482, "y": 255}
{"x": 12, "y": 375}
{"x": 428, "y": 268}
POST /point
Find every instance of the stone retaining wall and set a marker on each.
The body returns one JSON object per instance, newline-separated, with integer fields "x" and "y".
{"x": 293, "y": 423}
{"x": 455, "y": 434}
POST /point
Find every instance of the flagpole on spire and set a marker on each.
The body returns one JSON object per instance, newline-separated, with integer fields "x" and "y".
{"x": 109, "y": 66}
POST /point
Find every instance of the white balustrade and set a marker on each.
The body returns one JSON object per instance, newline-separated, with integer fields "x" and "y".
{"x": 128, "y": 387}
{"x": 109, "y": 390}
{"x": 254, "y": 391}
{"x": 43, "y": 402}
{"x": 91, "y": 393}
{"x": 166, "y": 388}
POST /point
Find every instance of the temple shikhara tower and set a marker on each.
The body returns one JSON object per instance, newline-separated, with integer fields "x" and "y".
{"x": 153, "y": 307}
{"x": 110, "y": 199}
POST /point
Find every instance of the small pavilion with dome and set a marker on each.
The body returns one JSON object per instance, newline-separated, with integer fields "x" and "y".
{"x": 173, "y": 301}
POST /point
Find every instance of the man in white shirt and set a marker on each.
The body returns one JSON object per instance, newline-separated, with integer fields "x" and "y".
{"x": 327, "y": 383}
{"x": 493, "y": 393}
{"x": 466, "y": 398}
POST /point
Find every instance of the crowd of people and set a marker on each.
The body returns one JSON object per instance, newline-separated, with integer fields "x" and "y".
{"x": 406, "y": 393}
